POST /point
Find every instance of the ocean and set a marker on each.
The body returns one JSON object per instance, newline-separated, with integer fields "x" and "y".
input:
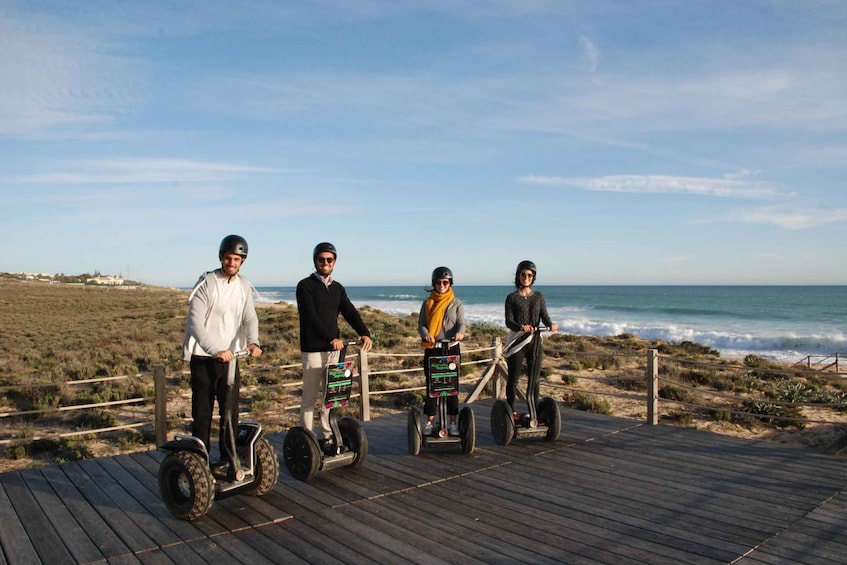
{"x": 784, "y": 323}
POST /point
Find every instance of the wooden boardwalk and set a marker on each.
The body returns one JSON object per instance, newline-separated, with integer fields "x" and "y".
{"x": 609, "y": 491}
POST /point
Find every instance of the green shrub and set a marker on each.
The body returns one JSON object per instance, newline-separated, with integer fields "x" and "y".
{"x": 587, "y": 403}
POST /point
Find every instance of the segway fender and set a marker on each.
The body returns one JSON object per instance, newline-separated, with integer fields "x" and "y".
{"x": 182, "y": 442}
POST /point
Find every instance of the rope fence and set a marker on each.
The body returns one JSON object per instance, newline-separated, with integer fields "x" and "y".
{"x": 649, "y": 378}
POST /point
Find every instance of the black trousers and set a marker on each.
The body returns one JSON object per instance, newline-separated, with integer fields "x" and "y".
{"x": 431, "y": 404}
{"x": 515, "y": 364}
{"x": 208, "y": 383}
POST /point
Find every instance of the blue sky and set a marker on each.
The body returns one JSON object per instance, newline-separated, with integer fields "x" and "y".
{"x": 643, "y": 142}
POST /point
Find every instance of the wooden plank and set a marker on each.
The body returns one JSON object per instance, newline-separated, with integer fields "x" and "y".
{"x": 268, "y": 546}
{"x": 369, "y": 536}
{"x": 300, "y": 532}
{"x": 65, "y": 525}
{"x": 120, "y": 497}
{"x": 613, "y": 488}
{"x": 570, "y": 534}
{"x": 313, "y": 549}
{"x": 458, "y": 519}
{"x": 555, "y": 515}
{"x": 129, "y": 532}
{"x": 16, "y": 544}
{"x": 38, "y": 527}
{"x": 239, "y": 550}
{"x": 107, "y": 542}
{"x": 609, "y": 491}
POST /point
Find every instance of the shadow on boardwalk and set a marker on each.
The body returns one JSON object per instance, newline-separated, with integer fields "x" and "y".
{"x": 609, "y": 491}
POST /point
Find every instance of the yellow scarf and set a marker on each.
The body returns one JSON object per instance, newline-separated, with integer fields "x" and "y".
{"x": 434, "y": 308}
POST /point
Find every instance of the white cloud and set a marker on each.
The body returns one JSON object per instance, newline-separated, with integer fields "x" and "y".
{"x": 131, "y": 171}
{"x": 55, "y": 76}
{"x": 662, "y": 184}
{"x": 592, "y": 53}
{"x": 797, "y": 220}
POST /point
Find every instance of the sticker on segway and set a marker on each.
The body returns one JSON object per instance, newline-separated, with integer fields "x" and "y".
{"x": 443, "y": 376}
{"x": 339, "y": 384}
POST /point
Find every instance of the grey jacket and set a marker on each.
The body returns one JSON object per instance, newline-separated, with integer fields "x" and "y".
{"x": 454, "y": 321}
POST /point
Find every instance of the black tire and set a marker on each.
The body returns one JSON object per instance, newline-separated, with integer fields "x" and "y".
{"x": 549, "y": 413}
{"x": 186, "y": 485}
{"x": 467, "y": 430}
{"x": 301, "y": 454}
{"x": 413, "y": 431}
{"x": 354, "y": 438}
{"x": 266, "y": 468}
{"x": 502, "y": 424}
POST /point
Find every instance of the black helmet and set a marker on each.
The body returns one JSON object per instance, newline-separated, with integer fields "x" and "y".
{"x": 233, "y": 244}
{"x": 324, "y": 247}
{"x": 526, "y": 265}
{"x": 442, "y": 273}
{"x": 521, "y": 266}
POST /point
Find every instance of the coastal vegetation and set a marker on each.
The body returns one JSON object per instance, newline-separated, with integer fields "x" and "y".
{"x": 69, "y": 340}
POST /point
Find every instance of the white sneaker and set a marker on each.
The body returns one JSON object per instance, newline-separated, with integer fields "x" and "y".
{"x": 427, "y": 431}
{"x": 453, "y": 429}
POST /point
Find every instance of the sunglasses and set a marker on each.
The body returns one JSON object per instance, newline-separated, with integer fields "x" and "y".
{"x": 526, "y": 275}
{"x": 441, "y": 283}
{"x": 327, "y": 260}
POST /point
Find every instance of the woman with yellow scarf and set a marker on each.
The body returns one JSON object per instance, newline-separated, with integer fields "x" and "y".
{"x": 442, "y": 317}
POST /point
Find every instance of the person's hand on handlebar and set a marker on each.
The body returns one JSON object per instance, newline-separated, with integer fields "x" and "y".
{"x": 337, "y": 344}
{"x": 225, "y": 356}
{"x": 254, "y": 350}
{"x": 554, "y": 327}
{"x": 366, "y": 343}
{"x": 460, "y": 337}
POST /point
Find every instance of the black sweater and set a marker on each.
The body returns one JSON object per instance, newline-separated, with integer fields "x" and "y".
{"x": 319, "y": 306}
{"x": 526, "y": 310}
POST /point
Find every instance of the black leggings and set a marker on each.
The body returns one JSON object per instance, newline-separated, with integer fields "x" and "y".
{"x": 208, "y": 383}
{"x": 515, "y": 364}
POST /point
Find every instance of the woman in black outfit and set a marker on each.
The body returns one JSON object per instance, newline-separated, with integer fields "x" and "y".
{"x": 525, "y": 308}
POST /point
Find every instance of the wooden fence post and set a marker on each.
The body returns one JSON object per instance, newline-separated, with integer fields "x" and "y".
{"x": 364, "y": 387}
{"x": 161, "y": 408}
{"x": 492, "y": 370}
{"x": 499, "y": 384}
{"x": 652, "y": 387}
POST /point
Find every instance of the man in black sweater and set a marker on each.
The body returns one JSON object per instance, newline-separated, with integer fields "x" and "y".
{"x": 320, "y": 300}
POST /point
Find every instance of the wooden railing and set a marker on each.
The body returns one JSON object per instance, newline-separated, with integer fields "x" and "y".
{"x": 821, "y": 363}
{"x": 375, "y": 364}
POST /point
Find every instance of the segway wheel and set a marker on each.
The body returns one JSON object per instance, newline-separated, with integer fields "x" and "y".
{"x": 353, "y": 437}
{"x": 413, "y": 431}
{"x": 549, "y": 412}
{"x": 266, "y": 466}
{"x": 301, "y": 454}
{"x": 467, "y": 430}
{"x": 186, "y": 485}
{"x": 502, "y": 424}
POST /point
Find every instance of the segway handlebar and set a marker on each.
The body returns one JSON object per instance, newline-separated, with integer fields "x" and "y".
{"x": 237, "y": 354}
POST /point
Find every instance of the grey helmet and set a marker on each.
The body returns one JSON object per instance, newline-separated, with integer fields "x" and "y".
{"x": 233, "y": 244}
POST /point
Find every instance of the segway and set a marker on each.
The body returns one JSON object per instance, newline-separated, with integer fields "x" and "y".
{"x": 442, "y": 382}
{"x": 304, "y": 454}
{"x": 542, "y": 418}
{"x": 190, "y": 482}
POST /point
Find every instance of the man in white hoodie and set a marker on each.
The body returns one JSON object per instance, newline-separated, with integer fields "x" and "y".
{"x": 221, "y": 321}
